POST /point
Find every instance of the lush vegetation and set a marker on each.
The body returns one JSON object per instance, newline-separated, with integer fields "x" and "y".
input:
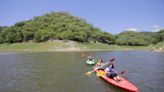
{"x": 132, "y": 38}
{"x": 59, "y": 25}
{"x": 63, "y": 26}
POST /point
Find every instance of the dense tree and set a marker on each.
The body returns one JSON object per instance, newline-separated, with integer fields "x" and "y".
{"x": 11, "y": 35}
{"x": 160, "y": 35}
{"x": 133, "y": 39}
{"x": 62, "y": 25}
{"x": 151, "y": 35}
{"x": 57, "y": 25}
{"x": 106, "y": 38}
{"x": 20, "y": 24}
{"x": 42, "y": 35}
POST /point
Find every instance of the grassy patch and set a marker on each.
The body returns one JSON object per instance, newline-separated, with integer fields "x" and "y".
{"x": 62, "y": 45}
{"x": 100, "y": 46}
{"x": 26, "y": 46}
{"x": 159, "y": 45}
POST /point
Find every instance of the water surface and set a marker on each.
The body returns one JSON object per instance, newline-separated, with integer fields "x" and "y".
{"x": 65, "y": 71}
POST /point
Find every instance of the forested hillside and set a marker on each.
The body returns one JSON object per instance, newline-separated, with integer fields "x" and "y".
{"x": 55, "y": 25}
{"x": 132, "y": 38}
{"x": 63, "y": 26}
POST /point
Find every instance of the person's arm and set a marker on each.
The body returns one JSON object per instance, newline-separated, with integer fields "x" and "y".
{"x": 97, "y": 64}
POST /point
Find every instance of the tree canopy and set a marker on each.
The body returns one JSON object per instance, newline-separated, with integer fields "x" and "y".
{"x": 55, "y": 25}
{"x": 133, "y": 39}
{"x": 63, "y": 26}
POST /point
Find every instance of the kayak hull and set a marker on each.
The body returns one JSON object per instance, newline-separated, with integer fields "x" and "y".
{"x": 123, "y": 83}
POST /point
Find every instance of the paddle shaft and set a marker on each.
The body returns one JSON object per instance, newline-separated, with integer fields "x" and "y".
{"x": 102, "y": 65}
{"x": 99, "y": 67}
{"x": 89, "y": 72}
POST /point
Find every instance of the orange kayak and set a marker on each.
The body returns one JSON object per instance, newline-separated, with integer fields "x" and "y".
{"x": 123, "y": 83}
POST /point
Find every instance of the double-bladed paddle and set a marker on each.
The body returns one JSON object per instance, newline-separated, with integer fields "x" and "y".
{"x": 100, "y": 73}
{"x": 90, "y": 72}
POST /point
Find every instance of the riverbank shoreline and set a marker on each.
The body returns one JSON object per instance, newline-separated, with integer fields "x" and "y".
{"x": 70, "y": 46}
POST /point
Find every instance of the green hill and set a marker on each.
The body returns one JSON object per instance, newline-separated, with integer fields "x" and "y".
{"x": 64, "y": 26}
{"x": 55, "y": 25}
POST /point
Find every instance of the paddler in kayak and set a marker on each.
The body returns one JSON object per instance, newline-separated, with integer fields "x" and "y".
{"x": 111, "y": 73}
{"x": 99, "y": 64}
{"x": 90, "y": 60}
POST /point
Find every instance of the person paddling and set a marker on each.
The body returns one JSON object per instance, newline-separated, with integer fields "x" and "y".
{"x": 91, "y": 57}
{"x": 111, "y": 73}
{"x": 99, "y": 64}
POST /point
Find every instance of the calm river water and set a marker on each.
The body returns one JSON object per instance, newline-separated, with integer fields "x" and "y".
{"x": 65, "y": 71}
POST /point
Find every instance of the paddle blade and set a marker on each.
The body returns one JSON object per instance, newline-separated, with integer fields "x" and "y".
{"x": 112, "y": 60}
{"x": 122, "y": 72}
{"x": 83, "y": 55}
{"x": 88, "y": 73}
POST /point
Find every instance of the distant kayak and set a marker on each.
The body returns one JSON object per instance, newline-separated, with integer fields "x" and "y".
{"x": 90, "y": 61}
{"x": 123, "y": 83}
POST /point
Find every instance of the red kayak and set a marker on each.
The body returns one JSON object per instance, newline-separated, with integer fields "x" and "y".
{"x": 123, "y": 83}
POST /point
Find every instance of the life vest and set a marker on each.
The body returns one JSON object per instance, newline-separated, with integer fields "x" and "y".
{"x": 99, "y": 64}
{"x": 109, "y": 70}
